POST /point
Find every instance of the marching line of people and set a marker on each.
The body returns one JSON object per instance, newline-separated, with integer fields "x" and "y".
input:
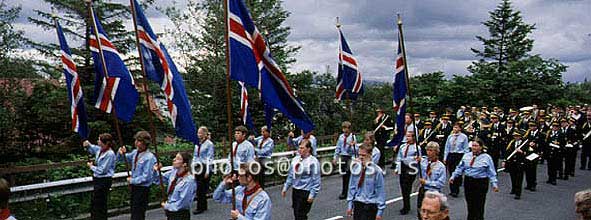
{"x": 472, "y": 146}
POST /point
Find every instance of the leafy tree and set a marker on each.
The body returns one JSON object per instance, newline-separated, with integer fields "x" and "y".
{"x": 203, "y": 30}
{"x": 11, "y": 40}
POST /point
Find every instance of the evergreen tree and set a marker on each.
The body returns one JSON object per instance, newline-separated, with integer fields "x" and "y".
{"x": 508, "y": 37}
{"x": 10, "y": 41}
{"x": 73, "y": 16}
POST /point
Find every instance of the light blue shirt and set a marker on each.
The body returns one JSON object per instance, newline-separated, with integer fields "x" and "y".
{"x": 104, "y": 163}
{"x": 375, "y": 155}
{"x": 264, "y": 147}
{"x": 411, "y": 155}
{"x": 483, "y": 167}
{"x": 182, "y": 196}
{"x": 142, "y": 174}
{"x": 244, "y": 153}
{"x": 461, "y": 144}
{"x": 258, "y": 209}
{"x": 306, "y": 178}
{"x": 438, "y": 178}
{"x": 346, "y": 148}
{"x": 312, "y": 140}
{"x": 371, "y": 191}
{"x": 205, "y": 155}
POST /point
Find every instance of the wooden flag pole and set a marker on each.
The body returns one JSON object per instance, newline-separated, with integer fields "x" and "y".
{"x": 147, "y": 96}
{"x": 106, "y": 78}
{"x": 399, "y": 22}
{"x": 229, "y": 96}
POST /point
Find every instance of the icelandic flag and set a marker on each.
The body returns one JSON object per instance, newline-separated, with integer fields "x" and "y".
{"x": 349, "y": 78}
{"x": 251, "y": 62}
{"x": 160, "y": 68}
{"x": 116, "y": 84}
{"x": 399, "y": 93}
{"x": 75, "y": 95}
{"x": 244, "y": 113}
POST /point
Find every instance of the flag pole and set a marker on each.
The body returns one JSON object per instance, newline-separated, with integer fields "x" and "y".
{"x": 147, "y": 95}
{"x": 106, "y": 77}
{"x": 410, "y": 107}
{"x": 347, "y": 98}
{"x": 229, "y": 96}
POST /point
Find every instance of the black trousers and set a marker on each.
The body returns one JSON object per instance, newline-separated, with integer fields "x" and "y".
{"x": 586, "y": 156}
{"x": 382, "y": 161}
{"x": 475, "y": 191}
{"x": 453, "y": 159}
{"x": 261, "y": 175}
{"x": 516, "y": 180}
{"x": 100, "y": 196}
{"x": 344, "y": 167}
{"x": 406, "y": 181}
{"x": 531, "y": 172}
{"x": 178, "y": 215}
{"x": 362, "y": 211}
{"x": 554, "y": 165}
{"x": 570, "y": 161}
{"x": 139, "y": 201}
{"x": 300, "y": 205}
{"x": 495, "y": 158}
{"x": 201, "y": 192}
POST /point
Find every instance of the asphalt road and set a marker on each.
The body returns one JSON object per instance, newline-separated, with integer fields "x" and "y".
{"x": 549, "y": 202}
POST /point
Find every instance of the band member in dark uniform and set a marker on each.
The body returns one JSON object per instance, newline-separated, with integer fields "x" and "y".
{"x": 555, "y": 143}
{"x": 384, "y": 126}
{"x": 497, "y": 139}
{"x": 535, "y": 138}
{"x": 515, "y": 163}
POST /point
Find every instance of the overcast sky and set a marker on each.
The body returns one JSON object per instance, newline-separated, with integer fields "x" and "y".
{"x": 438, "y": 34}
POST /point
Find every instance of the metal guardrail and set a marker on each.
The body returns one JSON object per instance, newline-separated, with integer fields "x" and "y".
{"x": 22, "y": 193}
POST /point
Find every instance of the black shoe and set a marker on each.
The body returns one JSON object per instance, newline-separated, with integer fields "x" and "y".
{"x": 533, "y": 189}
{"x": 455, "y": 195}
{"x": 581, "y": 168}
{"x": 565, "y": 177}
{"x": 548, "y": 181}
{"x": 572, "y": 175}
{"x": 198, "y": 211}
{"x": 341, "y": 197}
{"x": 404, "y": 211}
{"x": 518, "y": 197}
{"x": 588, "y": 168}
{"x": 512, "y": 192}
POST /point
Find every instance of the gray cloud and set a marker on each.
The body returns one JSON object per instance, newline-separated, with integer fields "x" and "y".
{"x": 438, "y": 34}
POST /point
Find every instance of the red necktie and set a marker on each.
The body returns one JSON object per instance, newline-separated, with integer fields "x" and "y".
{"x": 297, "y": 166}
{"x": 248, "y": 193}
{"x": 174, "y": 181}
{"x": 406, "y": 150}
{"x": 198, "y": 150}
{"x": 346, "y": 136}
{"x": 137, "y": 154}
{"x": 362, "y": 178}
{"x": 473, "y": 159}
{"x": 429, "y": 169}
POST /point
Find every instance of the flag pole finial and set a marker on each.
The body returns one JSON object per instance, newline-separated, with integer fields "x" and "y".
{"x": 399, "y": 21}
{"x": 53, "y": 14}
{"x": 338, "y": 24}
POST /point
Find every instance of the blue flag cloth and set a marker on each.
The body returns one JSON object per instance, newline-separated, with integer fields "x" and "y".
{"x": 349, "y": 81}
{"x": 251, "y": 62}
{"x": 75, "y": 95}
{"x": 116, "y": 84}
{"x": 399, "y": 95}
{"x": 161, "y": 69}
